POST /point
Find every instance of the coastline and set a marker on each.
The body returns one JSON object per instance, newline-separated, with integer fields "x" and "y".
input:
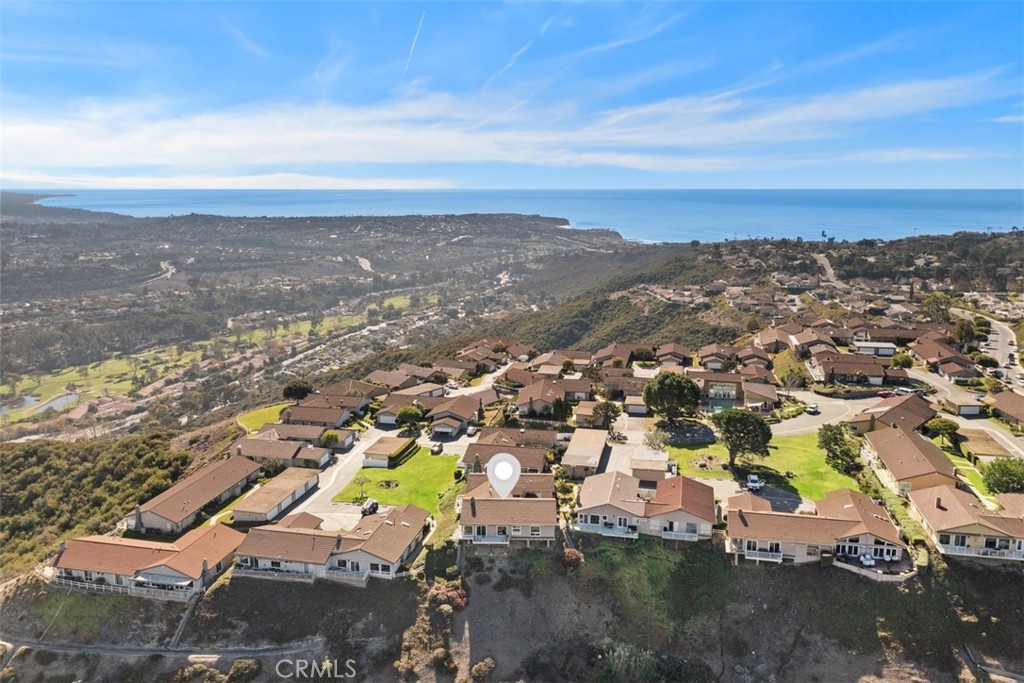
{"x": 638, "y": 216}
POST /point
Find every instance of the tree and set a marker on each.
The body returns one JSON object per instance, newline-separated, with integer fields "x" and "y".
{"x": 964, "y": 332}
{"x": 297, "y": 389}
{"x": 361, "y": 481}
{"x": 743, "y": 432}
{"x": 753, "y": 325}
{"x": 936, "y": 306}
{"x": 984, "y": 360}
{"x": 561, "y": 410}
{"x": 618, "y": 362}
{"x": 671, "y": 395}
{"x": 794, "y": 376}
{"x": 656, "y": 439}
{"x": 1005, "y": 475}
{"x": 902, "y": 360}
{"x": 568, "y": 365}
{"x": 408, "y": 416}
{"x": 944, "y": 427}
{"x": 840, "y": 454}
{"x": 329, "y": 439}
{"x": 606, "y": 413}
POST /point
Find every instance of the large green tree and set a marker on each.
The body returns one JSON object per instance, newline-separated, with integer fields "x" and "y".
{"x": 407, "y": 416}
{"x": 743, "y": 433}
{"x": 672, "y": 395}
{"x": 840, "y": 454}
{"x": 297, "y": 389}
{"x": 1005, "y": 475}
{"x": 606, "y": 413}
{"x": 944, "y": 427}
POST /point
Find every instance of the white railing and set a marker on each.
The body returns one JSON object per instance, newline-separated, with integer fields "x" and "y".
{"x": 272, "y": 574}
{"x": 679, "y": 536}
{"x": 875, "y": 574}
{"x": 982, "y": 552}
{"x": 340, "y": 573}
{"x": 612, "y": 531}
{"x": 484, "y": 540}
{"x": 137, "y": 591}
{"x": 762, "y": 555}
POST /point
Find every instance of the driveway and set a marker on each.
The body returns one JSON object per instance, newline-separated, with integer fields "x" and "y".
{"x": 333, "y": 480}
{"x": 831, "y": 411}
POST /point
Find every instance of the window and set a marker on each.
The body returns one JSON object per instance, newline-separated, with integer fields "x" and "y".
{"x": 503, "y": 531}
{"x": 374, "y": 567}
{"x": 467, "y": 531}
{"x": 621, "y": 522}
{"x": 119, "y": 580}
{"x": 691, "y": 527}
{"x": 354, "y": 566}
{"x": 275, "y": 564}
{"x": 960, "y": 541}
{"x": 751, "y": 545}
{"x": 812, "y": 551}
{"x": 853, "y": 539}
{"x": 342, "y": 563}
{"x": 774, "y": 548}
{"x": 88, "y": 576}
{"x": 993, "y": 543}
{"x": 595, "y": 519}
{"x": 517, "y": 530}
{"x": 535, "y": 531}
{"x": 481, "y": 530}
{"x": 943, "y": 539}
{"x": 220, "y": 566}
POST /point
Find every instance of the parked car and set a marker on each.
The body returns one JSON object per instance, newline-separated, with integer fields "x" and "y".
{"x": 998, "y": 374}
{"x": 885, "y": 393}
{"x": 812, "y": 408}
{"x": 754, "y": 482}
{"x": 436, "y": 449}
{"x": 903, "y": 391}
{"x": 471, "y": 430}
{"x": 370, "y": 506}
{"x": 867, "y": 560}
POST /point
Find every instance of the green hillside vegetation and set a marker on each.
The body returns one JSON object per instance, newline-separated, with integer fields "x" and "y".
{"x": 592, "y": 323}
{"x": 54, "y": 490}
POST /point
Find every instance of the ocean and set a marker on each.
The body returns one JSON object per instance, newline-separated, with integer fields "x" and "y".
{"x": 643, "y": 215}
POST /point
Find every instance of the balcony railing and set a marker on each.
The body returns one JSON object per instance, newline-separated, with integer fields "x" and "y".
{"x": 607, "y": 530}
{"x": 679, "y": 536}
{"x": 277, "y": 574}
{"x": 762, "y": 555}
{"x": 484, "y": 540}
{"x": 138, "y": 591}
{"x": 982, "y": 552}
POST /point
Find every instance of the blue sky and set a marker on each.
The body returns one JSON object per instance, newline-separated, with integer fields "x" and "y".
{"x": 512, "y": 95}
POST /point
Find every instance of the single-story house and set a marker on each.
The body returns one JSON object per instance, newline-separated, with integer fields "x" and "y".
{"x": 377, "y": 547}
{"x": 288, "y": 453}
{"x": 673, "y": 354}
{"x": 963, "y": 405}
{"x": 505, "y": 436}
{"x": 847, "y": 523}
{"x": 283, "y": 432}
{"x": 875, "y": 348}
{"x": 527, "y": 516}
{"x": 958, "y": 524}
{"x": 321, "y": 416}
{"x": 270, "y": 500}
{"x": 615, "y": 504}
{"x": 1007, "y": 405}
{"x": 387, "y": 416}
{"x": 585, "y": 451}
{"x": 716, "y": 356}
{"x": 353, "y": 387}
{"x": 426, "y": 389}
{"x": 391, "y": 379}
{"x": 904, "y": 460}
{"x": 452, "y": 416}
{"x": 910, "y": 412}
{"x": 531, "y": 458}
{"x": 170, "y": 571}
{"x": 635, "y": 406}
{"x": 176, "y": 509}
{"x": 385, "y": 450}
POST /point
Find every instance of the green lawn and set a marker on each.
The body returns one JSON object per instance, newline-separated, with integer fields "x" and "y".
{"x": 970, "y": 472}
{"x": 255, "y": 419}
{"x": 420, "y": 479}
{"x": 799, "y": 454}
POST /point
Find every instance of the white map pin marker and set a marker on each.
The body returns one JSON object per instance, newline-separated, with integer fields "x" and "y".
{"x": 503, "y": 472}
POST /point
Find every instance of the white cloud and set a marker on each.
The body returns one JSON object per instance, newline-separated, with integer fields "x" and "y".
{"x": 718, "y": 132}
{"x": 244, "y": 41}
{"x": 1016, "y": 118}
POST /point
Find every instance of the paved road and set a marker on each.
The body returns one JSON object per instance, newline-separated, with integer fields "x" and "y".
{"x": 830, "y": 274}
{"x": 946, "y": 389}
{"x": 831, "y": 410}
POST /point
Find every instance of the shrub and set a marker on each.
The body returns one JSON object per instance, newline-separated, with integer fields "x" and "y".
{"x": 483, "y": 669}
{"x": 451, "y": 593}
{"x": 244, "y": 670}
{"x": 44, "y": 657}
{"x": 451, "y": 572}
{"x": 572, "y": 558}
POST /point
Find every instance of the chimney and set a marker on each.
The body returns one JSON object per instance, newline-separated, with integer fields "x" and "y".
{"x": 337, "y": 542}
{"x": 743, "y": 518}
{"x": 472, "y": 505}
{"x": 206, "y": 568}
{"x": 238, "y": 449}
{"x": 938, "y": 503}
{"x": 138, "y": 518}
